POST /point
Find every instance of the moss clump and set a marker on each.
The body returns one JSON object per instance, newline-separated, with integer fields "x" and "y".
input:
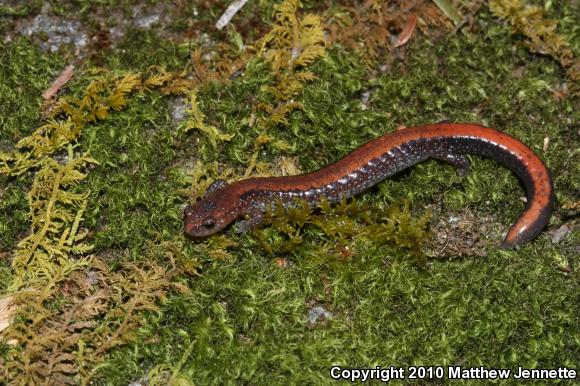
{"x": 23, "y": 78}
{"x": 329, "y": 235}
{"x": 56, "y": 212}
{"x": 541, "y": 34}
{"x": 23, "y": 70}
{"x": 65, "y": 327}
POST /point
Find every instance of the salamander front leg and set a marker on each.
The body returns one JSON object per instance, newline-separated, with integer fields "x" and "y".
{"x": 255, "y": 219}
{"x": 460, "y": 161}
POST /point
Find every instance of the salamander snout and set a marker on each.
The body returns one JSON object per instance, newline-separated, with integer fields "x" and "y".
{"x": 197, "y": 223}
{"x": 203, "y": 219}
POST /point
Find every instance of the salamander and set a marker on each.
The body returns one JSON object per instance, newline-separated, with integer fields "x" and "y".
{"x": 371, "y": 163}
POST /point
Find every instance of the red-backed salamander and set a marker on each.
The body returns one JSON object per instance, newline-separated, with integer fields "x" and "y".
{"x": 372, "y": 163}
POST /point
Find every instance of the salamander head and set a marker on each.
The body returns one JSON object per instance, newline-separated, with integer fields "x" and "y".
{"x": 212, "y": 213}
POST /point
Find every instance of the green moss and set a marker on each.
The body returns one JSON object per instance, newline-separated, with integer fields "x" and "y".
{"x": 131, "y": 190}
{"x": 141, "y": 49}
{"x": 13, "y": 215}
{"x": 245, "y": 319}
{"x": 23, "y": 78}
{"x": 387, "y": 311}
{"x": 25, "y": 72}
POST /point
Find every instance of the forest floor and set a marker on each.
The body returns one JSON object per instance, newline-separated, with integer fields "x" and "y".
{"x": 99, "y": 284}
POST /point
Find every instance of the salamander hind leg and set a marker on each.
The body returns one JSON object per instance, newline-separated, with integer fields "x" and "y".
{"x": 458, "y": 160}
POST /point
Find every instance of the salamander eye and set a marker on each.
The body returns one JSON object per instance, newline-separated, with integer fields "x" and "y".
{"x": 209, "y": 223}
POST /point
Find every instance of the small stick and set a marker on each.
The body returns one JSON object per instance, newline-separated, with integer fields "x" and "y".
{"x": 59, "y": 82}
{"x": 229, "y": 13}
